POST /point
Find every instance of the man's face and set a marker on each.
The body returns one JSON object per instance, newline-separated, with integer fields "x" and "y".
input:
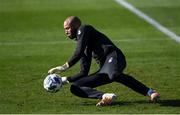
{"x": 69, "y": 30}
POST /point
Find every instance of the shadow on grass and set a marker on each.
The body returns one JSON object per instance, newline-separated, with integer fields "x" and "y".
{"x": 170, "y": 102}
{"x": 167, "y": 102}
{"x": 126, "y": 103}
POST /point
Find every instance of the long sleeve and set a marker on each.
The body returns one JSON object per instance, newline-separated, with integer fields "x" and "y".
{"x": 85, "y": 64}
{"x": 83, "y": 35}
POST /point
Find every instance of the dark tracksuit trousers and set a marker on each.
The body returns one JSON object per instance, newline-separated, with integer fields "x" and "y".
{"x": 110, "y": 71}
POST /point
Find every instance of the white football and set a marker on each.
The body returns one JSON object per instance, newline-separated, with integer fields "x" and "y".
{"x": 52, "y": 83}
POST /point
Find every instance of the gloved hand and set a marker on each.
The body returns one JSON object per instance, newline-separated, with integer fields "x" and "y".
{"x": 64, "y": 80}
{"x": 59, "y": 69}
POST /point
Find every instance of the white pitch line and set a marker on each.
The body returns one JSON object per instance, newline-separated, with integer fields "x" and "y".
{"x": 34, "y": 43}
{"x": 67, "y": 42}
{"x": 148, "y": 19}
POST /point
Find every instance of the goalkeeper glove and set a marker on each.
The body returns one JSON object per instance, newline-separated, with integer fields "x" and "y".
{"x": 59, "y": 68}
{"x": 64, "y": 80}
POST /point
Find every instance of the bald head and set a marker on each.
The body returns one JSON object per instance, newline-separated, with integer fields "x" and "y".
{"x": 73, "y": 21}
{"x": 71, "y": 24}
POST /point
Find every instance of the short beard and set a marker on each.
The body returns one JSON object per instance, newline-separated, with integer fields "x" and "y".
{"x": 73, "y": 35}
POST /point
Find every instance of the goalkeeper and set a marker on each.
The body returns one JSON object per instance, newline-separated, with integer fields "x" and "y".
{"x": 93, "y": 44}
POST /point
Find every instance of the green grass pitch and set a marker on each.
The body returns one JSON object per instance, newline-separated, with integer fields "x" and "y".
{"x": 32, "y": 41}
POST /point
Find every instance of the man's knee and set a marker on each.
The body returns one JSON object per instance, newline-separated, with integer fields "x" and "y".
{"x": 74, "y": 88}
{"x": 77, "y": 90}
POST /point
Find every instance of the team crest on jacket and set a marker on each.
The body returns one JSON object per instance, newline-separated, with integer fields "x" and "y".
{"x": 110, "y": 60}
{"x": 79, "y": 32}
